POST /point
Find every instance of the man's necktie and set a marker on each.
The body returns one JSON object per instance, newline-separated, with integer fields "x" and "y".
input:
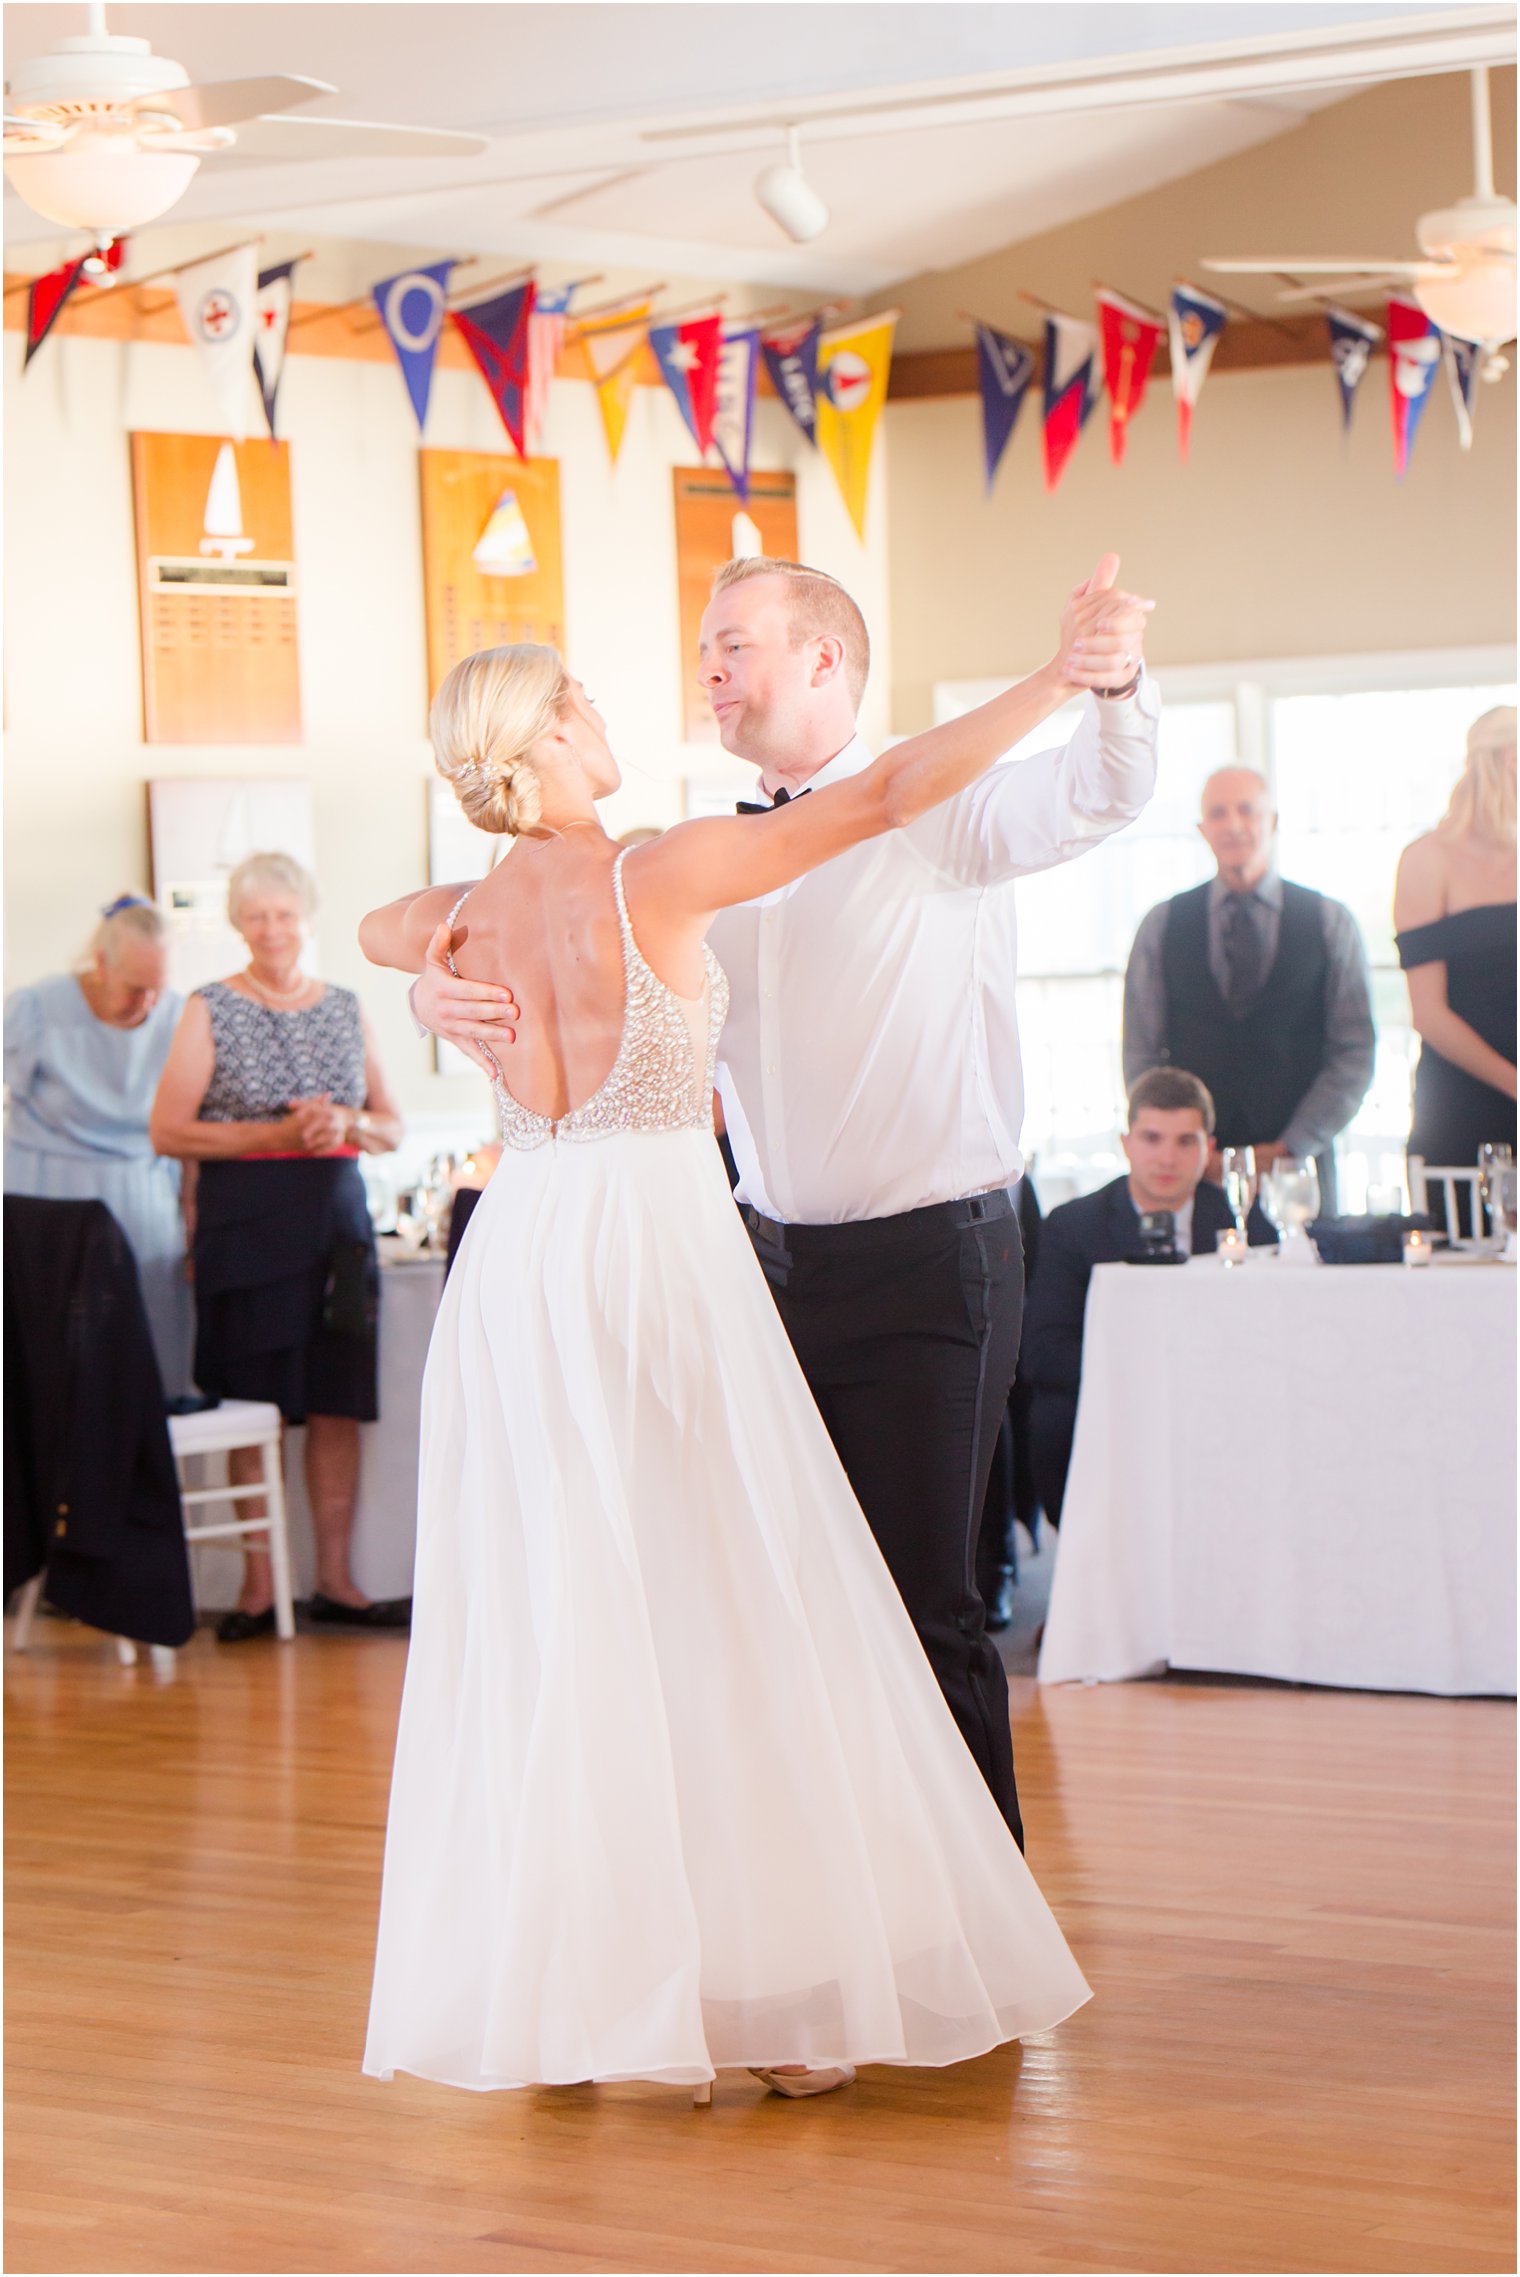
{"x": 1243, "y": 961}
{"x": 768, "y": 806}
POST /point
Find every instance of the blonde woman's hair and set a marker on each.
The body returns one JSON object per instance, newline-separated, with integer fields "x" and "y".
{"x": 123, "y": 920}
{"x": 818, "y": 604}
{"x": 1483, "y": 803}
{"x": 486, "y": 718}
{"x": 281, "y": 873}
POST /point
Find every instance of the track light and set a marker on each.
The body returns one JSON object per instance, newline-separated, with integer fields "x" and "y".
{"x": 789, "y": 197}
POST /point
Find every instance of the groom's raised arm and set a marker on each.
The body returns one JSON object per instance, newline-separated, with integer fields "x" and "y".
{"x": 1030, "y": 814}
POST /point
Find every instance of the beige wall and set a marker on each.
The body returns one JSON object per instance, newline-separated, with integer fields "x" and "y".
{"x": 76, "y": 763}
{"x": 1279, "y": 539}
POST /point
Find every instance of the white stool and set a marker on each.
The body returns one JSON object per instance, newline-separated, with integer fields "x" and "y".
{"x": 1423, "y": 1176}
{"x": 218, "y": 1431}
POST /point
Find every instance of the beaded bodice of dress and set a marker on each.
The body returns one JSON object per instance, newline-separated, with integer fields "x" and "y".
{"x": 662, "y": 1077}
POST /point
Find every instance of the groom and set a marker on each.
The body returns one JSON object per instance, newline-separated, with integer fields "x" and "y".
{"x": 870, "y": 1078}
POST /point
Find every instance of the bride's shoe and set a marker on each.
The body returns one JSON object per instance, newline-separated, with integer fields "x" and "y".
{"x": 807, "y": 2082}
{"x": 702, "y": 2096}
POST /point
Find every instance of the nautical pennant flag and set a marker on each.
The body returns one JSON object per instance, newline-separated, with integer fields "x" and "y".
{"x": 1194, "y": 323}
{"x": 734, "y": 409}
{"x": 546, "y": 337}
{"x": 688, "y": 354}
{"x": 791, "y": 358}
{"x": 1005, "y": 367}
{"x": 614, "y": 338}
{"x": 271, "y": 323}
{"x": 412, "y": 308}
{"x": 1130, "y": 340}
{"x": 1070, "y": 390}
{"x": 46, "y": 299}
{"x": 1465, "y": 360}
{"x": 1352, "y": 340}
{"x": 853, "y": 367}
{"x": 496, "y": 333}
{"x": 217, "y": 299}
{"x": 1414, "y": 352}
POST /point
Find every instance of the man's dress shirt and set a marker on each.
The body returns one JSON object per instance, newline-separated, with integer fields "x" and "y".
{"x": 870, "y": 1061}
{"x": 1350, "y": 1042}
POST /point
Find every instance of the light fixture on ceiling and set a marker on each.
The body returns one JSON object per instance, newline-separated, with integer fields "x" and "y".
{"x": 789, "y": 197}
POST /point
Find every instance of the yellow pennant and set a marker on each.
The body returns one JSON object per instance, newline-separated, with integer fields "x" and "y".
{"x": 852, "y": 387}
{"x": 614, "y": 340}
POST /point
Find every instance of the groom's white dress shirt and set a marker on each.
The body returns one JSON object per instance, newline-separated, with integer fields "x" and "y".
{"x": 870, "y": 1060}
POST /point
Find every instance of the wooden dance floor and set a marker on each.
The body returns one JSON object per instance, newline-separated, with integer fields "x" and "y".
{"x": 1294, "y": 1908}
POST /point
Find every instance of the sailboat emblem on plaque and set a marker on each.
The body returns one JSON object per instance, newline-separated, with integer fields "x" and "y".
{"x": 223, "y": 518}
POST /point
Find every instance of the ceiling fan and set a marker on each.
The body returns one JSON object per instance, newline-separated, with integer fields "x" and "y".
{"x": 1465, "y": 280}
{"x": 103, "y": 135}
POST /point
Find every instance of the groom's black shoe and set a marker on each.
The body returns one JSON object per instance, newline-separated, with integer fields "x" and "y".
{"x": 1000, "y": 1603}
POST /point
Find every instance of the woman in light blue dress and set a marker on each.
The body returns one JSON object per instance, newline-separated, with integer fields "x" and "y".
{"x": 83, "y": 1055}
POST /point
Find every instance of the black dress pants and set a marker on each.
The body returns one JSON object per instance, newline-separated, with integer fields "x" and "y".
{"x": 907, "y": 1330}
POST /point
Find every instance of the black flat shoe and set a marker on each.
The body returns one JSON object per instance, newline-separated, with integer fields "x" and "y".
{"x": 237, "y": 1627}
{"x": 388, "y": 1613}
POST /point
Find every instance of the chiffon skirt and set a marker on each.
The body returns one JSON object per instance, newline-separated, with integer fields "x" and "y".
{"x": 674, "y": 1786}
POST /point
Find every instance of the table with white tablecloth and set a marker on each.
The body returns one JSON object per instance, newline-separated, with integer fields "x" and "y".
{"x": 385, "y": 1520}
{"x": 1304, "y": 1473}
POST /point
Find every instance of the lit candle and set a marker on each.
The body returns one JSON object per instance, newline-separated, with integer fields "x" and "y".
{"x": 1417, "y": 1247}
{"x": 1233, "y": 1246}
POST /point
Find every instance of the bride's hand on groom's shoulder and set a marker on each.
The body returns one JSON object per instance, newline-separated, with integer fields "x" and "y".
{"x": 466, "y": 1013}
{"x": 1102, "y": 637}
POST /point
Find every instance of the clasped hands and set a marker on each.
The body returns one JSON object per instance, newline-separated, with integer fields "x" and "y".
{"x": 1102, "y": 638}
{"x": 316, "y": 1125}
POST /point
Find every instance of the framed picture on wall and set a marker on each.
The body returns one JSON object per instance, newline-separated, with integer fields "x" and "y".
{"x": 217, "y": 590}
{"x": 199, "y": 828}
{"x": 491, "y": 563}
{"x": 706, "y": 514}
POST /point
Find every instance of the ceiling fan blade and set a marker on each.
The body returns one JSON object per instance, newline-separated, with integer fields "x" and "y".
{"x": 1284, "y": 266}
{"x": 224, "y": 102}
{"x": 1341, "y": 288}
{"x": 41, "y": 132}
{"x": 290, "y": 138}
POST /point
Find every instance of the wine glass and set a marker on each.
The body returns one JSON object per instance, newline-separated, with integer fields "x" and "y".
{"x": 1237, "y": 1169}
{"x": 1500, "y": 1182}
{"x": 1290, "y": 1197}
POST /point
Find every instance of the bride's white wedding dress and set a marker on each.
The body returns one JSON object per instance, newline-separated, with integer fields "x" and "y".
{"x": 674, "y": 1787}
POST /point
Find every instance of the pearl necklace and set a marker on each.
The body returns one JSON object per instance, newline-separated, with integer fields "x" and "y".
{"x": 280, "y": 995}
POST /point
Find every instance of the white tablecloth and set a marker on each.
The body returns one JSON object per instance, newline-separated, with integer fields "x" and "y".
{"x": 1298, "y": 1473}
{"x": 385, "y": 1521}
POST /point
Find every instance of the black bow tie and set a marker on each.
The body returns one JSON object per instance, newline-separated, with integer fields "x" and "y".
{"x": 768, "y": 806}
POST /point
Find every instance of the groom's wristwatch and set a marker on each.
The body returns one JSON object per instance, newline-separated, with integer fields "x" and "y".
{"x": 1113, "y": 695}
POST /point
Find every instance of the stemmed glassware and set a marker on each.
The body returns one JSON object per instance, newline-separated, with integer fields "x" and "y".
{"x": 1290, "y": 1197}
{"x": 1237, "y": 1169}
{"x": 1500, "y": 1183}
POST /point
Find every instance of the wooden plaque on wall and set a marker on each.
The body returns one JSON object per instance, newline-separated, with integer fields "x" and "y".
{"x": 705, "y": 510}
{"x": 216, "y": 584}
{"x": 491, "y": 563}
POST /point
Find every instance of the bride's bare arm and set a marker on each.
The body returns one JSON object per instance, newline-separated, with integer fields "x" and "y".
{"x": 701, "y": 867}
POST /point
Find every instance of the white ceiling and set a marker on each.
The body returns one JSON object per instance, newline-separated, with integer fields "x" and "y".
{"x": 629, "y": 135}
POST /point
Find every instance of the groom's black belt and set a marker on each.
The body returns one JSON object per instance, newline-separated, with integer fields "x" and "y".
{"x": 875, "y": 1233}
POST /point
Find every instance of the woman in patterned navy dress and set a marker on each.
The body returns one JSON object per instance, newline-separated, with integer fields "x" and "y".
{"x": 273, "y": 1089}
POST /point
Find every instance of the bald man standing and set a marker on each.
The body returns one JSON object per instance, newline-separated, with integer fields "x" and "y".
{"x": 1259, "y": 987}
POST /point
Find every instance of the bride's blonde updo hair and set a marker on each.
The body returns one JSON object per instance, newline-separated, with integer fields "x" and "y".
{"x": 486, "y": 718}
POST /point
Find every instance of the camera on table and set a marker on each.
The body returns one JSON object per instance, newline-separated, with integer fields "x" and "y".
{"x": 1157, "y": 1240}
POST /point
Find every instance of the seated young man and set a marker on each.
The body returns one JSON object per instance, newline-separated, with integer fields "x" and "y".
{"x": 1171, "y": 1124}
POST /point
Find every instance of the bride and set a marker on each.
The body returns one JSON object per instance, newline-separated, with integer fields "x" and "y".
{"x": 675, "y": 1789}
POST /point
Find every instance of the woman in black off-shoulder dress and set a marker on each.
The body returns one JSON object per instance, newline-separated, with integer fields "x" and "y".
{"x": 1454, "y": 910}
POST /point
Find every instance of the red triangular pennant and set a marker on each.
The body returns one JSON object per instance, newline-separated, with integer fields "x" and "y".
{"x": 45, "y": 302}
